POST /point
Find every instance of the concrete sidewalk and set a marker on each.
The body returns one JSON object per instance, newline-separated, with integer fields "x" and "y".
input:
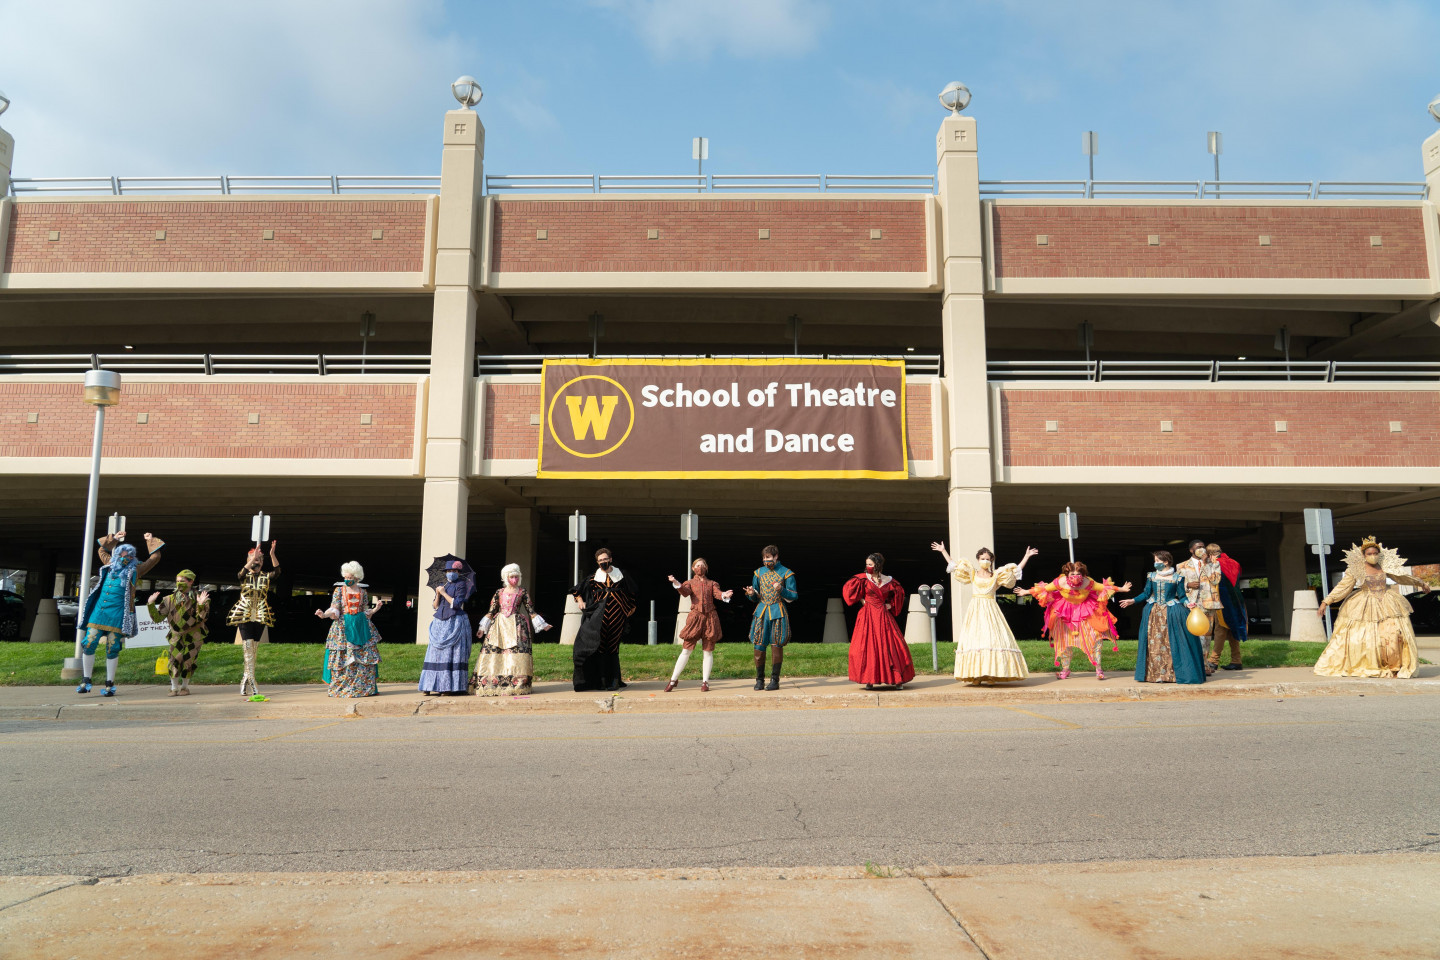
{"x": 1331, "y": 907}
{"x": 152, "y": 701}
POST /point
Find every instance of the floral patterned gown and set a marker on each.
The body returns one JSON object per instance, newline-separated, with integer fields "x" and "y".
{"x": 507, "y": 663}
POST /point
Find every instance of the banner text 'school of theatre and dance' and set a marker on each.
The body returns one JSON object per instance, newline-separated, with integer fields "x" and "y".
{"x": 703, "y": 418}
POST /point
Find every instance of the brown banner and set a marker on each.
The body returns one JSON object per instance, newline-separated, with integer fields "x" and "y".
{"x": 772, "y": 417}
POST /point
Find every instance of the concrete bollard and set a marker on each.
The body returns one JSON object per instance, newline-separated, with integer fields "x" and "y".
{"x": 680, "y": 615}
{"x": 917, "y": 621}
{"x": 46, "y": 628}
{"x": 1306, "y": 626}
{"x": 835, "y": 622}
{"x": 570, "y": 625}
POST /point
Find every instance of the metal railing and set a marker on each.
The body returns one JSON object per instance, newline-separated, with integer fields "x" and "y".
{"x": 224, "y": 184}
{"x": 1214, "y": 371}
{"x": 707, "y": 183}
{"x": 517, "y": 363}
{"x": 916, "y": 364}
{"x": 210, "y": 364}
{"x": 720, "y": 183}
{"x": 1208, "y": 189}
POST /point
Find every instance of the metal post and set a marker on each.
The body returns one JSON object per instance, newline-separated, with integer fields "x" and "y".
{"x": 934, "y": 652}
{"x": 91, "y": 503}
{"x": 652, "y": 631}
{"x": 576, "y": 578}
{"x": 1324, "y": 589}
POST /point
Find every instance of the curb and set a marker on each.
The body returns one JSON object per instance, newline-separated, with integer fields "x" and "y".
{"x": 417, "y": 706}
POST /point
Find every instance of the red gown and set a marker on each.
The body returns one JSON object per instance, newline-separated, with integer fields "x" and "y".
{"x": 878, "y": 653}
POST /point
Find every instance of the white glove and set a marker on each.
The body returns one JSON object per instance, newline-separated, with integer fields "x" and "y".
{"x": 537, "y": 623}
{"x": 484, "y": 624}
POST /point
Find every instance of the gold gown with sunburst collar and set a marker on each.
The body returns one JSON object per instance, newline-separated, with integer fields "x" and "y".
{"x": 1372, "y": 636}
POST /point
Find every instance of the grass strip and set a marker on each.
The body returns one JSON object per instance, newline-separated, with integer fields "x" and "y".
{"x": 38, "y": 664}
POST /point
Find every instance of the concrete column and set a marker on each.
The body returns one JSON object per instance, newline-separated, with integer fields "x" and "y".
{"x": 962, "y": 319}
{"x": 1285, "y": 556}
{"x": 522, "y": 541}
{"x": 39, "y": 578}
{"x": 452, "y": 350}
{"x": 1430, "y": 151}
{"x": 7, "y": 158}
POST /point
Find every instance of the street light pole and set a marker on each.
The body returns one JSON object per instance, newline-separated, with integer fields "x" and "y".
{"x": 102, "y": 389}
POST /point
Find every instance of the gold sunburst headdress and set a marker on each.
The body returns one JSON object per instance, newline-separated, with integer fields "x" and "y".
{"x": 1390, "y": 560}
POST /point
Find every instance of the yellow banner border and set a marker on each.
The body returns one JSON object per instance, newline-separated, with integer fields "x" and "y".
{"x": 902, "y": 474}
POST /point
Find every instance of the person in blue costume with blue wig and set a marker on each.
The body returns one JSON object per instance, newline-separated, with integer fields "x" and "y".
{"x": 1168, "y": 652}
{"x": 771, "y": 587}
{"x": 109, "y": 612}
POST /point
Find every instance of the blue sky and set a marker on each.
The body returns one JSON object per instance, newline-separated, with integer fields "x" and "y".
{"x": 1301, "y": 90}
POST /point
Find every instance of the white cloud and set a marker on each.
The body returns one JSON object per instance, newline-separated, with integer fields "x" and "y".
{"x": 674, "y": 29}
{"x": 267, "y": 86}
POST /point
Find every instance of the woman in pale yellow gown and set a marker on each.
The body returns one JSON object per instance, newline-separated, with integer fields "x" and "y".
{"x": 986, "y": 651}
{"x": 1373, "y": 636}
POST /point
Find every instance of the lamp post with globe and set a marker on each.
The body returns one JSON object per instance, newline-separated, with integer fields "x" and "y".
{"x": 102, "y": 389}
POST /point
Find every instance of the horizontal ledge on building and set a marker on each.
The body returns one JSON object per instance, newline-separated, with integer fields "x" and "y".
{"x": 397, "y": 282}
{"x": 1208, "y": 203}
{"x": 1288, "y": 287}
{"x": 1168, "y": 475}
{"x": 1221, "y": 386}
{"x": 918, "y": 470}
{"x": 245, "y": 197}
{"x": 406, "y": 468}
{"x": 919, "y": 281}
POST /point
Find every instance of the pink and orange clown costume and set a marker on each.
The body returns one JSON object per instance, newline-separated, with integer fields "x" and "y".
{"x": 1077, "y": 614}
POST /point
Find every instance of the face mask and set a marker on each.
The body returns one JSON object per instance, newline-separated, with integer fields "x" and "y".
{"x": 349, "y": 581}
{"x": 514, "y": 581}
{"x": 452, "y": 576}
{"x": 770, "y": 562}
{"x": 1373, "y": 559}
{"x": 605, "y": 564}
{"x": 1074, "y": 580}
{"x": 1161, "y": 564}
{"x": 985, "y": 563}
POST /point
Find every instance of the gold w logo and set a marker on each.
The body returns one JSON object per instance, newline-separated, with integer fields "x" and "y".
{"x": 592, "y": 415}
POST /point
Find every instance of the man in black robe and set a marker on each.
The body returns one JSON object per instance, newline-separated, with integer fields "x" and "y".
{"x": 607, "y": 601}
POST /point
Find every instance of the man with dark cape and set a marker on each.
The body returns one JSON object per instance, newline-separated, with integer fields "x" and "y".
{"x": 607, "y": 600}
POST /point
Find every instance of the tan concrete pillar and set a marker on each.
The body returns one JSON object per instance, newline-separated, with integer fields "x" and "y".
{"x": 452, "y": 349}
{"x": 1285, "y": 556}
{"x": 522, "y": 541}
{"x": 1429, "y": 150}
{"x": 7, "y": 158}
{"x": 962, "y": 319}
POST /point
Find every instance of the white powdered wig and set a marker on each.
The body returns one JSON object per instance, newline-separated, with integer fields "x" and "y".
{"x": 352, "y": 571}
{"x": 508, "y": 569}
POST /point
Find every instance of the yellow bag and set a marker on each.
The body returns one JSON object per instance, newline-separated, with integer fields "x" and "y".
{"x": 1198, "y": 623}
{"x": 162, "y": 665}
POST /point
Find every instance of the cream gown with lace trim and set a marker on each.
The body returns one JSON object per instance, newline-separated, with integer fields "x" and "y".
{"x": 987, "y": 651}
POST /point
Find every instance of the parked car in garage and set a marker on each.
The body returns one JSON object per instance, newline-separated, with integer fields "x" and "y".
{"x": 12, "y": 615}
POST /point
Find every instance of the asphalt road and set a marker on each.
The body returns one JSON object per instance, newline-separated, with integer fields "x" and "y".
{"x": 955, "y": 785}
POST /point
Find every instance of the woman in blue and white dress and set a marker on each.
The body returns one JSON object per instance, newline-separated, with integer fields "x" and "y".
{"x": 446, "y": 669}
{"x": 1168, "y": 653}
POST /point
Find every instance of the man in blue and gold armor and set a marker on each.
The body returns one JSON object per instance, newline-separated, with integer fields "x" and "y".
{"x": 772, "y": 587}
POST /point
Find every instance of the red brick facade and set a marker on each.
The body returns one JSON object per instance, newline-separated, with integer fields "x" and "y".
{"x": 918, "y": 432}
{"x": 708, "y": 236}
{"x": 1216, "y": 242}
{"x": 1220, "y": 428}
{"x": 309, "y": 236}
{"x": 509, "y": 434}
{"x": 211, "y": 420}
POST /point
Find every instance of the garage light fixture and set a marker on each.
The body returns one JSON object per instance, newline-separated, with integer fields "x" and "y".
{"x": 955, "y": 97}
{"x": 467, "y": 91}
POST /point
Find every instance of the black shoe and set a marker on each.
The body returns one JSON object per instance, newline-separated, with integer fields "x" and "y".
{"x": 1232, "y": 666}
{"x": 614, "y": 685}
{"x": 774, "y": 684}
{"x": 760, "y": 683}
